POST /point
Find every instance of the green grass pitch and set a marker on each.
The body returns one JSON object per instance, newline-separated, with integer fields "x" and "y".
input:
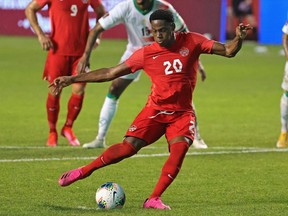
{"x": 241, "y": 173}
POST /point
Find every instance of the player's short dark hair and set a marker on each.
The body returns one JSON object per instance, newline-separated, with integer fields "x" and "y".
{"x": 162, "y": 15}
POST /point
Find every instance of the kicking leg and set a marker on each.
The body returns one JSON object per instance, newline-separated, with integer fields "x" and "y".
{"x": 111, "y": 155}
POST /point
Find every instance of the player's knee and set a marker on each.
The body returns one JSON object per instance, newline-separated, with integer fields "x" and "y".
{"x": 181, "y": 139}
{"x": 136, "y": 143}
{"x": 114, "y": 91}
{"x": 118, "y": 86}
{"x": 53, "y": 94}
{"x": 179, "y": 147}
{"x": 78, "y": 89}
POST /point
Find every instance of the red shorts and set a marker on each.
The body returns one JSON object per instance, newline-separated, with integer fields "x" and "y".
{"x": 151, "y": 124}
{"x": 59, "y": 65}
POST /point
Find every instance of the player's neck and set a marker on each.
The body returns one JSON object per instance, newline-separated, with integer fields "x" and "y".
{"x": 146, "y": 5}
{"x": 169, "y": 43}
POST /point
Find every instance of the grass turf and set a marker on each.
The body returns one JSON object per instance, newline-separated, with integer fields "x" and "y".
{"x": 241, "y": 173}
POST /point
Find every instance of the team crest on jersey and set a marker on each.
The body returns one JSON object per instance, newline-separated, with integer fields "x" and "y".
{"x": 132, "y": 128}
{"x": 85, "y": 1}
{"x": 184, "y": 51}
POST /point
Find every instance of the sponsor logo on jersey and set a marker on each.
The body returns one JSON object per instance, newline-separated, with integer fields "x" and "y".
{"x": 184, "y": 51}
{"x": 132, "y": 128}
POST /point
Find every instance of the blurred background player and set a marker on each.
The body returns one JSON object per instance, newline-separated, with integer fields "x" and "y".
{"x": 135, "y": 15}
{"x": 171, "y": 62}
{"x": 70, "y": 29}
{"x": 243, "y": 11}
{"x": 283, "y": 139}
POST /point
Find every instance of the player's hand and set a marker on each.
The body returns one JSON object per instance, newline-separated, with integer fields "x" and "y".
{"x": 59, "y": 83}
{"x": 241, "y": 30}
{"x": 97, "y": 43}
{"x": 82, "y": 66}
{"x": 46, "y": 42}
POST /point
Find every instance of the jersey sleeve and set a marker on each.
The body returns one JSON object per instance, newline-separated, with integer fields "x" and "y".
{"x": 203, "y": 44}
{"x": 285, "y": 28}
{"x": 136, "y": 60}
{"x": 114, "y": 17}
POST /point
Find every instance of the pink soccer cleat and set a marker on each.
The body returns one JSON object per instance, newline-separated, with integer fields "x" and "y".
{"x": 70, "y": 177}
{"x": 155, "y": 203}
{"x": 69, "y": 134}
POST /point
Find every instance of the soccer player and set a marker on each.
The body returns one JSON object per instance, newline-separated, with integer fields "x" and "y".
{"x": 134, "y": 14}
{"x": 171, "y": 63}
{"x": 70, "y": 29}
{"x": 283, "y": 139}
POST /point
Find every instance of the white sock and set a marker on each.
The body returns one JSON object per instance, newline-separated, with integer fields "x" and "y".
{"x": 284, "y": 113}
{"x": 106, "y": 115}
{"x": 197, "y": 132}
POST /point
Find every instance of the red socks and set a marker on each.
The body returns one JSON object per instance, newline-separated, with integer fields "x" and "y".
{"x": 113, "y": 154}
{"x": 52, "y": 107}
{"x": 120, "y": 151}
{"x": 171, "y": 167}
{"x": 74, "y": 108}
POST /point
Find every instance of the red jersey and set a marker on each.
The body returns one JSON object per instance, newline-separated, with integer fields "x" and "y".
{"x": 173, "y": 70}
{"x": 69, "y": 24}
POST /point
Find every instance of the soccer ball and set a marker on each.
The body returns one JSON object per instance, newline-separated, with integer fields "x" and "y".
{"x": 110, "y": 195}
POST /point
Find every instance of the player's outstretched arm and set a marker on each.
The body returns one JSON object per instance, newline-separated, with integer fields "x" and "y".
{"x": 231, "y": 48}
{"x": 92, "y": 37}
{"x": 99, "y": 75}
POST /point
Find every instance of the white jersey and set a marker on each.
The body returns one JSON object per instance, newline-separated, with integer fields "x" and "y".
{"x": 285, "y": 28}
{"x": 137, "y": 21}
{"x": 285, "y": 78}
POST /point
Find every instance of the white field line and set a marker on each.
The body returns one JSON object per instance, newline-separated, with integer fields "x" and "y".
{"x": 241, "y": 150}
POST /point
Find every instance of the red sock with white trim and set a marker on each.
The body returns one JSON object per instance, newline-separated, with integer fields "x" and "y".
{"x": 171, "y": 167}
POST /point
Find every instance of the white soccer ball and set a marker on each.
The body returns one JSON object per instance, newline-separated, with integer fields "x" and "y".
{"x": 110, "y": 195}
